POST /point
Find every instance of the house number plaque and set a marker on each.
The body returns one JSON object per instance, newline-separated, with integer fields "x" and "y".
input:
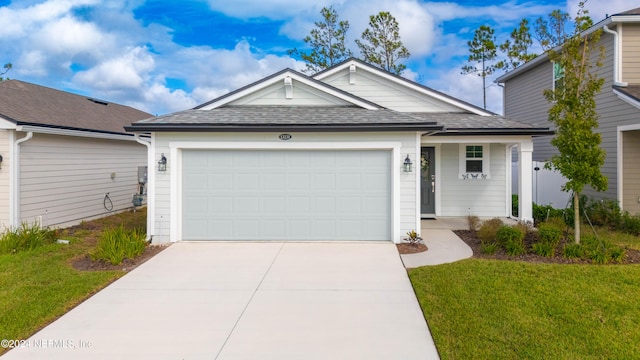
{"x": 284, "y": 137}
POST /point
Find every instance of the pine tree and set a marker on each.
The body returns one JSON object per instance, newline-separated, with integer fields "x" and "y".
{"x": 381, "y": 44}
{"x": 482, "y": 55}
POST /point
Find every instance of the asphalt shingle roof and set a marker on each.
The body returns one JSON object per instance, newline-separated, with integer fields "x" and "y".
{"x": 244, "y": 118}
{"x": 29, "y": 104}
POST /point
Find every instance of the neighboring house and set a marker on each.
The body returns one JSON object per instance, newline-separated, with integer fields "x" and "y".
{"x": 618, "y": 106}
{"x": 62, "y": 153}
{"x": 294, "y": 157}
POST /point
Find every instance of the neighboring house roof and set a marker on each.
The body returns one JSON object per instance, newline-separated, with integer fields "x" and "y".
{"x": 629, "y": 94}
{"x": 23, "y": 103}
{"x": 632, "y": 15}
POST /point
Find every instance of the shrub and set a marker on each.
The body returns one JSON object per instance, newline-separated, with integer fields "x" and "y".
{"x": 489, "y": 229}
{"x": 473, "y": 222}
{"x": 489, "y": 248}
{"x": 573, "y": 251}
{"x": 118, "y": 244}
{"x": 631, "y": 224}
{"x": 549, "y": 233}
{"x": 26, "y": 237}
{"x": 544, "y": 249}
{"x": 514, "y": 205}
{"x": 413, "y": 238}
{"x": 601, "y": 251}
{"x": 542, "y": 213}
{"x": 604, "y": 212}
{"x": 512, "y": 239}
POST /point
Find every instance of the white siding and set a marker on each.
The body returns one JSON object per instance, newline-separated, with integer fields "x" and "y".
{"x": 472, "y": 197}
{"x": 407, "y": 185}
{"x": 5, "y": 151}
{"x": 64, "y": 179}
{"x": 302, "y": 95}
{"x": 388, "y": 94}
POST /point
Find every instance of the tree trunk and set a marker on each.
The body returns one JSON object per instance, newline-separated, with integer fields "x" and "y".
{"x": 576, "y": 216}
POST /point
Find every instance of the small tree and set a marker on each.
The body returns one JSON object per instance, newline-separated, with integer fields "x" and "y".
{"x": 517, "y": 47}
{"x": 327, "y": 42}
{"x": 574, "y": 113}
{"x": 381, "y": 43}
{"x": 552, "y": 33}
{"x": 482, "y": 54}
{"x": 6, "y": 68}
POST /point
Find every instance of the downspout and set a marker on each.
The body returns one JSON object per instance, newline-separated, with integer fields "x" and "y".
{"x": 151, "y": 190}
{"x": 15, "y": 219}
{"x": 617, "y": 80}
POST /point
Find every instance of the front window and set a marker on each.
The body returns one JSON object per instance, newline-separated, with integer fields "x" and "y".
{"x": 474, "y": 162}
{"x": 558, "y": 76}
{"x": 474, "y": 159}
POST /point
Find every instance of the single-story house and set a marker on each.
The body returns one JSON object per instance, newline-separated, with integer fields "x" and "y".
{"x": 64, "y": 157}
{"x": 350, "y": 153}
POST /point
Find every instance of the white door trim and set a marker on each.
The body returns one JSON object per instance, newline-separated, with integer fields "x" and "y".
{"x": 175, "y": 159}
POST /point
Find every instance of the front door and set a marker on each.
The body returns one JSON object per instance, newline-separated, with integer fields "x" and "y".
{"x": 428, "y": 182}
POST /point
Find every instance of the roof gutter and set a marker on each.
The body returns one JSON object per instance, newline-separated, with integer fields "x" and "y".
{"x": 617, "y": 65}
{"x": 14, "y": 221}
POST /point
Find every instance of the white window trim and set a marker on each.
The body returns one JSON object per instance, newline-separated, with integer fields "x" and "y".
{"x": 486, "y": 163}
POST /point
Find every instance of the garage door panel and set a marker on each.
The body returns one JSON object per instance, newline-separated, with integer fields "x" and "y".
{"x": 286, "y": 195}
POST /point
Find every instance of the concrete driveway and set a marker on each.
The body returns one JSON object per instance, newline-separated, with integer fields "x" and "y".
{"x": 259, "y": 300}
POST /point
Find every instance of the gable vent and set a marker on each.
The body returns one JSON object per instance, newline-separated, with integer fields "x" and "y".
{"x": 352, "y": 74}
{"x": 288, "y": 88}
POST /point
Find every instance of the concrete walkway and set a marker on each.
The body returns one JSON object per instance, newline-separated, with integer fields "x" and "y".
{"x": 443, "y": 247}
{"x": 248, "y": 301}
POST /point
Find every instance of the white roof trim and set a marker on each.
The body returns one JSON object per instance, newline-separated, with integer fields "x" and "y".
{"x": 294, "y": 77}
{"x": 7, "y": 124}
{"x": 77, "y": 133}
{"x": 403, "y": 82}
{"x": 626, "y": 98}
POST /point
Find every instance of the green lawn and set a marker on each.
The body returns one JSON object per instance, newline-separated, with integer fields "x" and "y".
{"x": 491, "y": 309}
{"x": 39, "y": 285}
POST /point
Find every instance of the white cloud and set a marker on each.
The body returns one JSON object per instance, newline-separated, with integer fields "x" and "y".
{"x": 598, "y": 10}
{"x": 272, "y": 9}
{"x": 127, "y": 71}
{"x": 468, "y": 88}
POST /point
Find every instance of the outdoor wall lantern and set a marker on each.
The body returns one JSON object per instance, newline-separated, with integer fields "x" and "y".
{"x": 1, "y": 161}
{"x": 162, "y": 163}
{"x": 407, "y": 164}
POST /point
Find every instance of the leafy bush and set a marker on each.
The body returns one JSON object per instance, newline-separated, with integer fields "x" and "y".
{"x": 512, "y": 239}
{"x": 600, "y": 251}
{"x": 542, "y": 213}
{"x": 514, "y": 205}
{"x": 26, "y": 237}
{"x": 604, "y": 212}
{"x": 118, "y": 244}
{"x": 473, "y": 222}
{"x": 631, "y": 224}
{"x": 489, "y": 229}
{"x": 413, "y": 238}
{"x": 549, "y": 233}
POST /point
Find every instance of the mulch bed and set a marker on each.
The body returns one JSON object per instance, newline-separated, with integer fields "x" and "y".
{"x": 469, "y": 237}
{"x": 406, "y": 248}
{"x": 85, "y": 263}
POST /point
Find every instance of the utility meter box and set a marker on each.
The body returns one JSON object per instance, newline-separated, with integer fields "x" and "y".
{"x": 142, "y": 174}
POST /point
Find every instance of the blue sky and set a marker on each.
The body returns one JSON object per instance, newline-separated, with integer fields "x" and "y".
{"x": 167, "y": 56}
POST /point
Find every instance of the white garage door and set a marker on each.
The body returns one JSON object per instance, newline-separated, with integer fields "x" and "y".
{"x": 286, "y": 195}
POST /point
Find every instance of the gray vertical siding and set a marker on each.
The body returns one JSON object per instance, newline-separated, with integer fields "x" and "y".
{"x": 524, "y": 101}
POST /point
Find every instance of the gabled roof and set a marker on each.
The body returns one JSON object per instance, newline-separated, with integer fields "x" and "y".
{"x": 632, "y": 15}
{"x": 272, "y": 118}
{"x": 471, "y": 124}
{"x": 402, "y": 82}
{"x": 23, "y": 103}
{"x": 629, "y": 94}
{"x": 280, "y": 76}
